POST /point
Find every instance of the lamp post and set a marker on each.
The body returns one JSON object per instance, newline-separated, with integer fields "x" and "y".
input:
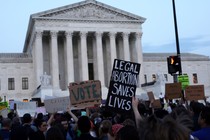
{"x": 177, "y": 37}
{"x": 177, "y": 47}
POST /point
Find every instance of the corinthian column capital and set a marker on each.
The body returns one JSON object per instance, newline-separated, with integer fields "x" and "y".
{"x": 38, "y": 34}
{"x": 112, "y": 35}
{"x": 98, "y": 34}
{"x": 125, "y": 34}
{"x": 69, "y": 33}
{"x": 54, "y": 34}
{"x": 83, "y": 34}
{"x": 138, "y": 34}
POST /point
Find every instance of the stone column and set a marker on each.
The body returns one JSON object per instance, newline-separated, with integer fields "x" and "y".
{"x": 69, "y": 57}
{"x": 138, "y": 49}
{"x": 126, "y": 49}
{"x": 83, "y": 65}
{"x": 38, "y": 51}
{"x": 99, "y": 57}
{"x": 54, "y": 60}
{"x": 113, "y": 52}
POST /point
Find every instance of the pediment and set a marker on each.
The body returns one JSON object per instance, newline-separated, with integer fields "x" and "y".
{"x": 88, "y": 10}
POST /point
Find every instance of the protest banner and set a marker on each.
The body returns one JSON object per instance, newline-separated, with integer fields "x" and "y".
{"x": 38, "y": 101}
{"x": 85, "y": 94}
{"x": 41, "y": 109}
{"x": 173, "y": 90}
{"x": 194, "y": 92}
{"x": 156, "y": 104}
{"x": 151, "y": 96}
{"x": 26, "y": 107}
{"x": 56, "y": 104}
{"x": 122, "y": 87}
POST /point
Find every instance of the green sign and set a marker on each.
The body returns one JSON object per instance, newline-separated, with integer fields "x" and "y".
{"x": 3, "y": 105}
{"x": 184, "y": 80}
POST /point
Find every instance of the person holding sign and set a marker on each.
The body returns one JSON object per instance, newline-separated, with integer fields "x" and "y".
{"x": 25, "y": 131}
{"x": 159, "y": 129}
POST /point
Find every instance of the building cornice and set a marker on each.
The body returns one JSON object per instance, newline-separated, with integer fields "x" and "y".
{"x": 157, "y": 57}
{"x": 15, "y": 58}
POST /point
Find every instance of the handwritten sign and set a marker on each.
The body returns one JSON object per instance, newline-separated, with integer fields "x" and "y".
{"x": 151, "y": 96}
{"x": 156, "y": 104}
{"x": 85, "y": 94}
{"x": 41, "y": 110}
{"x": 184, "y": 80}
{"x": 194, "y": 92}
{"x": 26, "y": 107}
{"x": 56, "y": 104}
{"x": 122, "y": 88}
{"x": 173, "y": 90}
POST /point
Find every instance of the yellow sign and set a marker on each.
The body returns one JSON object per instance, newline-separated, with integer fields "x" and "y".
{"x": 2, "y": 107}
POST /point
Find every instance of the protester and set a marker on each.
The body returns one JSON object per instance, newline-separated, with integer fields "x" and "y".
{"x": 128, "y": 132}
{"x": 55, "y": 133}
{"x": 69, "y": 130}
{"x": 204, "y": 122}
{"x": 41, "y": 129}
{"x": 159, "y": 129}
{"x": 196, "y": 108}
{"x": 104, "y": 129}
{"x": 5, "y": 130}
{"x": 137, "y": 125}
{"x": 25, "y": 131}
{"x": 84, "y": 127}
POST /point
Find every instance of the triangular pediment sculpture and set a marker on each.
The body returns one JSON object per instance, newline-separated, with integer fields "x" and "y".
{"x": 88, "y": 10}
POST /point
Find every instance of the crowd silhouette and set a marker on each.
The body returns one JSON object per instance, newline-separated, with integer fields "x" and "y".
{"x": 180, "y": 122}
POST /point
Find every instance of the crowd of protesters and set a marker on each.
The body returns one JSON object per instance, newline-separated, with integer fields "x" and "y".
{"x": 180, "y": 122}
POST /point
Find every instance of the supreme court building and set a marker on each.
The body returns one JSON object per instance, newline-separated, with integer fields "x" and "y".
{"x": 79, "y": 42}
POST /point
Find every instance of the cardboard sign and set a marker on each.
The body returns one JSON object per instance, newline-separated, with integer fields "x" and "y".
{"x": 194, "y": 92}
{"x": 26, "y": 107}
{"x": 122, "y": 88}
{"x": 173, "y": 90}
{"x": 151, "y": 96}
{"x": 85, "y": 94}
{"x": 157, "y": 104}
{"x": 56, "y": 104}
